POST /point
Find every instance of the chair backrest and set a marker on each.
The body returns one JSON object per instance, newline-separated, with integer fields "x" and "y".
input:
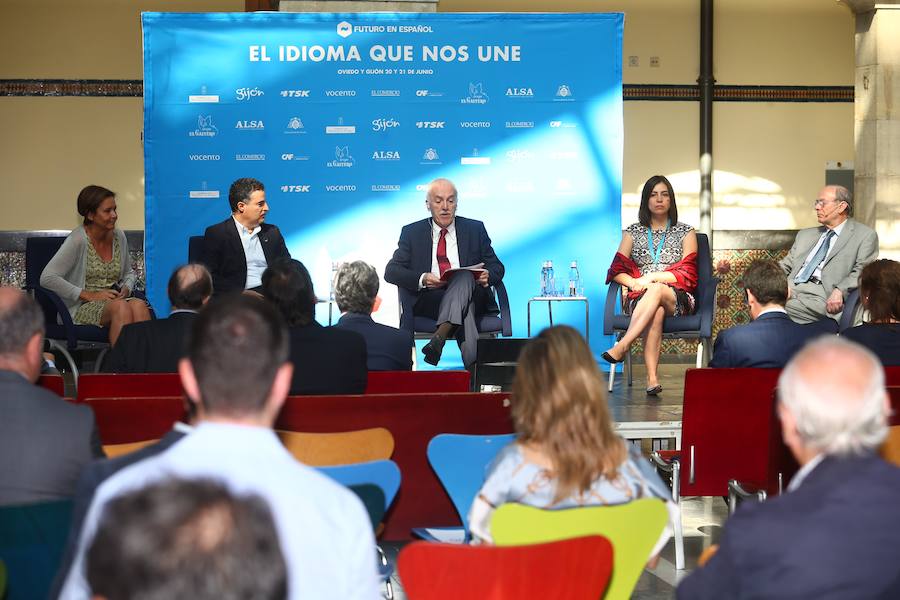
{"x": 704, "y": 264}
{"x": 38, "y": 252}
{"x": 131, "y": 385}
{"x": 414, "y": 382}
{"x": 574, "y": 569}
{"x": 54, "y": 383}
{"x": 383, "y": 473}
{"x": 890, "y": 449}
{"x": 129, "y": 420}
{"x": 32, "y": 539}
{"x": 196, "y": 249}
{"x": 633, "y": 529}
{"x": 341, "y": 448}
{"x": 114, "y": 450}
{"x": 460, "y": 462}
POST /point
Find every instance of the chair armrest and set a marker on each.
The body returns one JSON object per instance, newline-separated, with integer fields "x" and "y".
{"x": 43, "y": 296}
{"x": 708, "y": 308}
{"x": 740, "y": 491}
{"x": 849, "y": 310}
{"x": 503, "y": 303}
{"x": 407, "y": 300}
{"x": 665, "y": 459}
{"x": 609, "y": 310}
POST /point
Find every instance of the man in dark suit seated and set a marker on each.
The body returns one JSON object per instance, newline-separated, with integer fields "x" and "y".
{"x": 832, "y": 534}
{"x": 356, "y": 290}
{"x": 771, "y": 338}
{"x": 426, "y": 250}
{"x": 44, "y": 440}
{"x": 239, "y": 249}
{"x": 327, "y": 360}
{"x": 156, "y": 346}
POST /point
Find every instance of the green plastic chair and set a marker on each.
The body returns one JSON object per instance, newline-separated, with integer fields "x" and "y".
{"x": 633, "y": 529}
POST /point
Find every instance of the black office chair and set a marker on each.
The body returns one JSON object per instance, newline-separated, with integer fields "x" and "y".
{"x": 697, "y": 326}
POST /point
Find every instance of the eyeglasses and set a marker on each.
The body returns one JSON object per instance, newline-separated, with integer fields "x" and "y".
{"x": 819, "y": 203}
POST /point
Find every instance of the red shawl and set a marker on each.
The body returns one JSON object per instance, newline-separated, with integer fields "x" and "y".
{"x": 685, "y": 272}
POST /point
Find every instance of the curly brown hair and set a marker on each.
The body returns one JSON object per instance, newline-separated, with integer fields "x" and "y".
{"x": 559, "y": 405}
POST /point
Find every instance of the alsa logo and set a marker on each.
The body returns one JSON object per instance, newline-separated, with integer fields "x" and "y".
{"x": 520, "y": 92}
{"x": 384, "y": 124}
{"x": 295, "y": 189}
{"x": 344, "y": 29}
{"x": 385, "y": 155}
{"x": 248, "y": 93}
{"x": 249, "y": 125}
{"x": 430, "y": 124}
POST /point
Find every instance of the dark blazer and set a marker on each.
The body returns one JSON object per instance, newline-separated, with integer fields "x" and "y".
{"x": 223, "y": 253}
{"x": 827, "y": 539}
{"x": 413, "y": 257}
{"x": 153, "y": 346}
{"x": 44, "y": 442}
{"x": 881, "y": 338}
{"x": 767, "y": 342}
{"x": 92, "y": 476}
{"x": 387, "y": 348}
{"x": 327, "y": 360}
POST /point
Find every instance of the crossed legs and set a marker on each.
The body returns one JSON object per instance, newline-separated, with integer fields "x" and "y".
{"x": 647, "y": 322}
{"x": 118, "y": 313}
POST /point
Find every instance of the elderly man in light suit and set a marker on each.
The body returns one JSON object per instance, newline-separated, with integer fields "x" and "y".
{"x": 825, "y": 262}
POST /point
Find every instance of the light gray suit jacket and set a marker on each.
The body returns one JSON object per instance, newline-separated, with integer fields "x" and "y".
{"x": 856, "y": 247}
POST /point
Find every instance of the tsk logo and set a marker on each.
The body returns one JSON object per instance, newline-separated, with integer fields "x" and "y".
{"x": 204, "y": 157}
{"x": 248, "y": 93}
{"x": 477, "y": 95}
{"x": 295, "y": 189}
{"x": 205, "y": 127}
{"x": 519, "y": 92}
{"x": 384, "y": 124}
{"x": 249, "y": 125}
{"x": 430, "y": 124}
{"x": 295, "y": 93}
{"x": 386, "y": 155}
{"x": 344, "y": 29}
{"x": 342, "y": 158}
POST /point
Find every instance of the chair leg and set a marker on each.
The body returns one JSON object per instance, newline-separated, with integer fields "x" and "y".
{"x": 612, "y": 377}
{"x": 679, "y": 530}
{"x": 56, "y": 346}
{"x": 99, "y": 363}
{"x": 628, "y": 366}
{"x": 699, "y": 354}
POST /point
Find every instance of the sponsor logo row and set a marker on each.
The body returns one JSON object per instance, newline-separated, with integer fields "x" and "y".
{"x": 343, "y": 158}
{"x": 207, "y": 127}
{"x": 476, "y": 94}
{"x": 559, "y": 187}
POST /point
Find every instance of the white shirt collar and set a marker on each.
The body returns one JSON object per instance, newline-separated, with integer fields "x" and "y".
{"x": 837, "y": 230}
{"x": 242, "y": 230}
{"x": 804, "y": 472}
{"x": 436, "y": 229}
{"x": 774, "y": 309}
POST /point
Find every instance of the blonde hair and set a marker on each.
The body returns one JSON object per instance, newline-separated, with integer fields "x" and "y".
{"x": 559, "y": 404}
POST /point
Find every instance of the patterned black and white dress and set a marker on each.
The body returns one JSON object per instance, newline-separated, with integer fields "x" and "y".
{"x": 671, "y": 253}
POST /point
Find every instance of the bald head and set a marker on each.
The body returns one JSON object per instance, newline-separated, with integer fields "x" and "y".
{"x": 190, "y": 287}
{"x": 441, "y": 200}
{"x": 833, "y": 394}
{"x": 21, "y": 333}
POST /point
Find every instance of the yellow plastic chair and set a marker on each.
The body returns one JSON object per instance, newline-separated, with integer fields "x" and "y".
{"x": 114, "y": 450}
{"x": 890, "y": 449}
{"x": 341, "y": 448}
{"x": 633, "y": 529}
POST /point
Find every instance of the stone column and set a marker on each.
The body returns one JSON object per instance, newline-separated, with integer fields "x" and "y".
{"x": 877, "y": 119}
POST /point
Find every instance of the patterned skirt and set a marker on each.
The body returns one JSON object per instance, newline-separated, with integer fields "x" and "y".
{"x": 684, "y": 303}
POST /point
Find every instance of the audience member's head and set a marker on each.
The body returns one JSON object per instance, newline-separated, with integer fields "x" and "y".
{"x": 90, "y": 199}
{"x": 190, "y": 287}
{"x": 21, "y": 333}
{"x": 241, "y": 189}
{"x": 356, "y": 287}
{"x": 644, "y": 208}
{"x": 879, "y": 288}
{"x": 559, "y": 404}
{"x": 287, "y": 285}
{"x": 832, "y": 400}
{"x": 236, "y": 365}
{"x": 765, "y": 284}
{"x": 186, "y": 539}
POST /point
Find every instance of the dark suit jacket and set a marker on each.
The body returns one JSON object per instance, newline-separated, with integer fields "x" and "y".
{"x": 224, "y": 254}
{"x": 44, "y": 442}
{"x": 387, "y": 348}
{"x": 91, "y": 477}
{"x": 767, "y": 342}
{"x": 327, "y": 360}
{"x": 829, "y": 538}
{"x": 413, "y": 257}
{"x": 881, "y": 338}
{"x": 153, "y": 346}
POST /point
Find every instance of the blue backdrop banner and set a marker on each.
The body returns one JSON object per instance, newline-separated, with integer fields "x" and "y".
{"x": 347, "y": 117}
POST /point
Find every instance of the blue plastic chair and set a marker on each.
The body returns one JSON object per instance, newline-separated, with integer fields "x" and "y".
{"x": 460, "y": 462}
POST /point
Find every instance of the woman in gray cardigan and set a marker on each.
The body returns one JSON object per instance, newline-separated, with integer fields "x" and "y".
{"x": 92, "y": 270}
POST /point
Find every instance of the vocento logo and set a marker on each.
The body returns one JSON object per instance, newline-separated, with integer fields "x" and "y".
{"x": 246, "y": 93}
{"x": 430, "y": 124}
{"x": 385, "y": 124}
{"x": 344, "y": 29}
{"x": 295, "y": 189}
{"x": 210, "y": 157}
{"x": 475, "y": 124}
{"x": 340, "y": 188}
{"x": 294, "y": 93}
{"x": 205, "y": 127}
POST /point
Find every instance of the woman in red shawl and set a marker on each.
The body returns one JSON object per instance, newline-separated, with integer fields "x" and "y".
{"x": 657, "y": 263}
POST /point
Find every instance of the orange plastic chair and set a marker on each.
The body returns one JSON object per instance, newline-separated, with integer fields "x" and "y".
{"x": 340, "y": 448}
{"x": 572, "y": 569}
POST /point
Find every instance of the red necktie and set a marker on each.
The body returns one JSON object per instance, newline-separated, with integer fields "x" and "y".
{"x": 442, "y": 260}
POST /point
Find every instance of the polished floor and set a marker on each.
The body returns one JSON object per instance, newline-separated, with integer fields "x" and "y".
{"x": 702, "y": 518}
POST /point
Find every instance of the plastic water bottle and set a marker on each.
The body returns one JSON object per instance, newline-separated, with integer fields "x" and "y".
{"x": 334, "y": 270}
{"x": 574, "y": 279}
{"x": 544, "y": 279}
{"x": 551, "y": 280}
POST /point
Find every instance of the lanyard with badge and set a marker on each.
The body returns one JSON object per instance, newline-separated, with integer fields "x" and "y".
{"x": 656, "y": 251}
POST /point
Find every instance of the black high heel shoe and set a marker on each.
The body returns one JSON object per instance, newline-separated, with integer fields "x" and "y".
{"x": 608, "y": 358}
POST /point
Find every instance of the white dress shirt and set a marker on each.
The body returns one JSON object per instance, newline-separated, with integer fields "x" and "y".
{"x": 452, "y": 249}
{"x": 804, "y": 472}
{"x": 325, "y": 534}
{"x": 253, "y": 253}
{"x": 818, "y": 272}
